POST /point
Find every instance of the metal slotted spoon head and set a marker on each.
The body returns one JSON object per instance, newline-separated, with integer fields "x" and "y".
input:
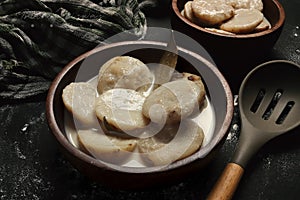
{"x": 269, "y": 102}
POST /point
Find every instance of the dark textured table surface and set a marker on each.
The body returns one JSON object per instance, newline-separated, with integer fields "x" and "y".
{"x": 32, "y": 167}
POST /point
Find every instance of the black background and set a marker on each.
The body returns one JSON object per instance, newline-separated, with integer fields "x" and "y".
{"x": 32, "y": 167}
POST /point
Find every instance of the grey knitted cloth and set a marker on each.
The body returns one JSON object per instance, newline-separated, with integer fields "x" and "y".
{"x": 38, "y": 37}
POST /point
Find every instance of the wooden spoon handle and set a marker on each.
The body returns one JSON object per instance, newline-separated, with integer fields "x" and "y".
{"x": 227, "y": 183}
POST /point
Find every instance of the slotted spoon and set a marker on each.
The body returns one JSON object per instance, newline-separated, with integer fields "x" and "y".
{"x": 269, "y": 103}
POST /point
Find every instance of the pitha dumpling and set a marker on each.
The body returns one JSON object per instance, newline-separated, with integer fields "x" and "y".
{"x": 244, "y": 21}
{"x": 123, "y": 72}
{"x": 246, "y": 4}
{"x": 173, "y": 143}
{"x": 211, "y": 12}
{"x": 79, "y": 99}
{"x": 106, "y": 148}
{"x": 189, "y": 14}
{"x": 175, "y": 100}
{"x": 264, "y": 25}
{"x": 122, "y": 109}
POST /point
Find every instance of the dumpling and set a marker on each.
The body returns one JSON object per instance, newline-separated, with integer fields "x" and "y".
{"x": 123, "y": 72}
{"x": 189, "y": 14}
{"x": 264, "y": 25}
{"x": 103, "y": 147}
{"x": 173, "y": 143}
{"x": 122, "y": 109}
{"x": 244, "y": 21}
{"x": 246, "y": 4}
{"x": 212, "y": 12}
{"x": 175, "y": 100}
{"x": 79, "y": 99}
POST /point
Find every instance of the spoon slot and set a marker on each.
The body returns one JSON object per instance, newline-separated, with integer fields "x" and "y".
{"x": 258, "y": 100}
{"x": 285, "y": 112}
{"x": 268, "y": 112}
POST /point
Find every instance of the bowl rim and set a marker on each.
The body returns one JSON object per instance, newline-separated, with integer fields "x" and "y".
{"x": 62, "y": 139}
{"x": 277, "y": 25}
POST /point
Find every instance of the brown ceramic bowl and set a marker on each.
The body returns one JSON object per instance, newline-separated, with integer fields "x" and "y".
{"x": 234, "y": 55}
{"x": 218, "y": 92}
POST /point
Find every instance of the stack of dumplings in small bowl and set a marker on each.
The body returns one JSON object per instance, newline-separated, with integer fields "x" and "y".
{"x": 227, "y": 16}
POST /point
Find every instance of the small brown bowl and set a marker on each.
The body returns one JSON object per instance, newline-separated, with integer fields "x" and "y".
{"x": 134, "y": 177}
{"x": 235, "y": 55}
